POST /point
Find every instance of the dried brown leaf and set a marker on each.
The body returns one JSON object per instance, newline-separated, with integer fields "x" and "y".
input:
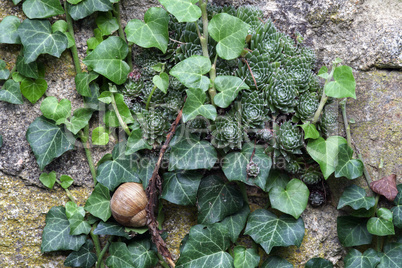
{"x": 386, "y": 187}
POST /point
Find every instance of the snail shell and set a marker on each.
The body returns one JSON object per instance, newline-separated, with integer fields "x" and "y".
{"x": 128, "y": 205}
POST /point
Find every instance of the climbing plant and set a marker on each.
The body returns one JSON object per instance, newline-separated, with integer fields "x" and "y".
{"x": 224, "y": 100}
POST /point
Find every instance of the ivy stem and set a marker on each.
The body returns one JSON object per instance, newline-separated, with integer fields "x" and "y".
{"x": 95, "y": 239}
{"x": 324, "y": 97}
{"x": 84, "y": 136}
{"x": 150, "y": 97}
{"x": 73, "y": 49}
{"x": 162, "y": 261}
{"x": 121, "y": 121}
{"x": 346, "y": 123}
{"x": 68, "y": 193}
{"x": 117, "y": 15}
{"x": 103, "y": 252}
{"x": 12, "y": 71}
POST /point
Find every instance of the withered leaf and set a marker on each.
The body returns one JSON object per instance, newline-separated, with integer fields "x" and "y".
{"x": 386, "y": 187}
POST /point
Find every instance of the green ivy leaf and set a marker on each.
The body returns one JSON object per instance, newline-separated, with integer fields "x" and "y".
{"x": 323, "y": 72}
{"x": 206, "y": 245}
{"x": 98, "y": 203}
{"x": 381, "y": 225}
{"x": 65, "y": 181}
{"x": 325, "y": 152}
{"x": 397, "y": 216}
{"x": 216, "y": 200}
{"x": 110, "y": 117}
{"x": 245, "y": 257}
{"x": 42, "y": 9}
{"x": 80, "y": 119}
{"x": 398, "y": 198}
{"x": 310, "y": 131}
{"x": 355, "y": 259}
{"x": 37, "y": 38}
{"x": 16, "y": 1}
{"x": 153, "y": 33}
{"x": 29, "y": 70}
{"x": 47, "y": 141}
{"x": 235, "y": 223}
{"x": 319, "y": 263}
{"x": 345, "y": 166}
{"x": 136, "y": 142}
{"x": 111, "y": 228}
{"x": 191, "y": 153}
{"x": 270, "y": 231}
{"x": 391, "y": 257}
{"x": 56, "y": 234}
{"x": 276, "y": 178}
{"x": 112, "y": 173}
{"x": 33, "y": 90}
{"x": 344, "y": 83}
{"x": 82, "y": 81}
{"x": 292, "y": 200}
{"x": 62, "y": 26}
{"x": 229, "y": 87}
{"x": 161, "y": 81}
{"x": 72, "y": 209}
{"x": 119, "y": 256}
{"x": 141, "y": 253}
{"x": 100, "y": 136}
{"x": 11, "y": 92}
{"x": 195, "y": 106}
{"x": 74, "y": 2}
{"x": 352, "y": 231}
{"x": 105, "y": 97}
{"x": 9, "y": 30}
{"x": 108, "y": 59}
{"x": 78, "y": 225}
{"x": 84, "y": 257}
{"x": 92, "y": 102}
{"x": 107, "y": 23}
{"x": 4, "y": 72}
{"x": 87, "y": 7}
{"x": 355, "y": 197}
{"x": 180, "y": 188}
{"x": 190, "y": 72}
{"x": 230, "y": 33}
{"x": 276, "y": 262}
{"x": 235, "y": 165}
{"x": 93, "y": 42}
{"x": 48, "y": 179}
{"x": 54, "y": 110}
{"x": 146, "y": 168}
{"x": 183, "y": 10}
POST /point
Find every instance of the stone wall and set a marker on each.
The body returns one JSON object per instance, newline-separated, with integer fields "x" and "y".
{"x": 366, "y": 34}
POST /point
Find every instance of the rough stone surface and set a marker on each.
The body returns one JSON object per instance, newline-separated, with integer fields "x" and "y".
{"x": 366, "y": 34}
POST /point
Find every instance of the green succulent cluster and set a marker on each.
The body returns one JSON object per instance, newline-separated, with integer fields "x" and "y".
{"x": 253, "y": 169}
{"x": 154, "y": 126}
{"x": 253, "y": 110}
{"x": 308, "y": 104}
{"x": 227, "y": 133}
{"x": 289, "y": 139}
{"x": 311, "y": 177}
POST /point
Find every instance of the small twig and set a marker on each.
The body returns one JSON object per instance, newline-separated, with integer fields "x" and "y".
{"x": 251, "y": 72}
{"x": 173, "y": 40}
{"x": 346, "y": 123}
{"x": 121, "y": 121}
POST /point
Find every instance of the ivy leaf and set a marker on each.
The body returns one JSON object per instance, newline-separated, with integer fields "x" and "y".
{"x": 16, "y": 2}
{"x": 276, "y": 178}
{"x": 108, "y": 59}
{"x": 47, "y": 141}
{"x": 56, "y": 234}
{"x": 146, "y": 167}
{"x": 183, "y": 10}
{"x": 119, "y": 256}
{"x": 72, "y": 209}
{"x": 42, "y": 9}
{"x": 78, "y": 225}
{"x": 245, "y": 257}
{"x": 84, "y": 257}
{"x": 9, "y": 30}
{"x": 74, "y": 2}
{"x": 80, "y": 119}
{"x": 235, "y": 166}
{"x": 29, "y": 70}
{"x": 355, "y": 197}
{"x": 191, "y": 153}
{"x": 235, "y": 223}
{"x": 216, "y": 200}
{"x": 292, "y": 200}
{"x": 229, "y": 87}
{"x": 206, "y": 245}
{"x": 161, "y": 81}
{"x": 190, "y": 72}
{"x": 181, "y": 188}
{"x": 82, "y": 81}
{"x": 11, "y": 92}
{"x": 386, "y": 187}
{"x": 62, "y": 26}
{"x": 195, "y": 106}
{"x": 92, "y": 102}
{"x": 100, "y": 136}
{"x": 112, "y": 173}
{"x": 37, "y": 38}
{"x": 323, "y": 72}
{"x": 87, "y": 7}
{"x": 352, "y": 231}
{"x": 276, "y": 262}
{"x": 98, "y": 203}
{"x": 355, "y": 259}
{"x": 48, "y": 179}
{"x": 318, "y": 263}
{"x": 107, "y": 23}
{"x": 65, "y": 181}
{"x": 391, "y": 257}
{"x": 33, "y": 90}
{"x": 136, "y": 142}
{"x": 54, "y": 110}
{"x": 345, "y": 166}
{"x": 110, "y": 228}
{"x": 310, "y": 131}
{"x": 141, "y": 253}
{"x": 324, "y": 152}
{"x": 398, "y": 198}
{"x": 381, "y": 225}
{"x": 94, "y": 41}
{"x": 110, "y": 117}
{"x": 230, "y": 33}
{"x": 270, "y": 231}
{"x": 153, "y": 33}
{"x": 4, "y": 72}
{"x": 397, "y": 216}
{"x": 344, "y": 83}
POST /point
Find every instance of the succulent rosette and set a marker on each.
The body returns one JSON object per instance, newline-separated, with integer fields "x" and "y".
{"x": 154, "y": 126}
{"x": 327, "y": 121}
{"x": 289, "y": 138}
{"x": 282, "y": 96}
{"x": 253, "y": 169}
{"x": 226, "y": 133}
{"x": 253, "y": 110}
{"x": 307, "y": 106}
{"x": 311, "y": 177}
